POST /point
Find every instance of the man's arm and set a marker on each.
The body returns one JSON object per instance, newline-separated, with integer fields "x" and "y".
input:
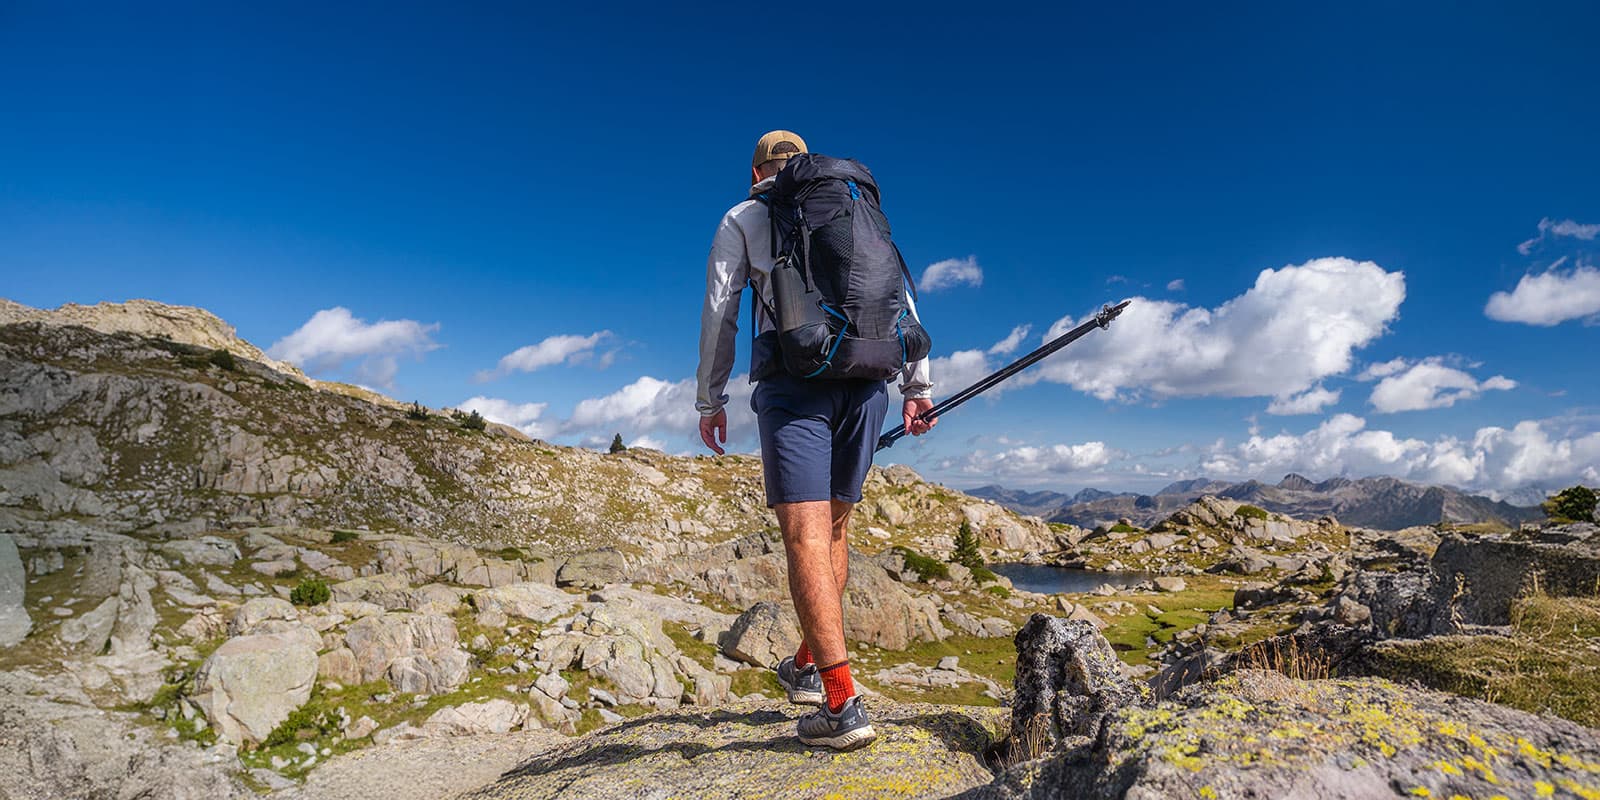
{"x": 727, "y": 271}
{"x": 916, "y": 386}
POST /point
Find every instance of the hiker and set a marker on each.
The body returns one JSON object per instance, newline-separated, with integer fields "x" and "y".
{"x": 818, "y": 434}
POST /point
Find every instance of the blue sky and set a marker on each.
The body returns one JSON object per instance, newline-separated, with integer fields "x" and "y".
{"x": 486, "y": 177}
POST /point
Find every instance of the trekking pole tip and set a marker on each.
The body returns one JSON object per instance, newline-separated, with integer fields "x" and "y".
{"x": 1109, "y": 312}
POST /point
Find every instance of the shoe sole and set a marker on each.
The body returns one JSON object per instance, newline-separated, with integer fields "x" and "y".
{"x": 800, "y": 697}
{"x": 849, "y": 740}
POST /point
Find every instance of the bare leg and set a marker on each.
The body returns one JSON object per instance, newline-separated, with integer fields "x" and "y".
{"x": 840, "y": 545}
{"x": 808, "y": 534}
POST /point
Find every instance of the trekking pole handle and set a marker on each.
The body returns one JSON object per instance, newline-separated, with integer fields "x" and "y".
{"x": 1102, "y": 320}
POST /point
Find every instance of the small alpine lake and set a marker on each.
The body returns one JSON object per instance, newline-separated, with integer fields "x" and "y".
{"x": 1047, "y": 579}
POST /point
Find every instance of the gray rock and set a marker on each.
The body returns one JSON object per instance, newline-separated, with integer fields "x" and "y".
{"x": 91, "y": 632}
{"x": 257, "y": 616}
{"x": 418, "y": 653}
{"x": 47, "y": 563}
{"x": 1068, "y": 681}
{"x": 14, "y": 620}
{"x": 762, "y": 636}
{"x": 539, "y": 602}
{"x": 592, "y": 569}
{"x": 251, "y": 683}
{"x": 212, "y": 551}
{"x": 474, "y": 719}
{"x": 1168, "y": 583}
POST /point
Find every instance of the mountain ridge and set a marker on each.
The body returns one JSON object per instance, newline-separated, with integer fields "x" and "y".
{"x": 1380, "y": 502}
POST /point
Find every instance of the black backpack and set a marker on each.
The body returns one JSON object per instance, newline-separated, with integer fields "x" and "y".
{"x": 839, "y": 282}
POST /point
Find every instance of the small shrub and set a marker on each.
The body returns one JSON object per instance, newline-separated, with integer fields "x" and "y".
{"x": 983, "y": 574}
{"x": 927, "y": 569}
{"x": 310, "y": 592}
{"x": 472, "y": 422}
{"x": 307, "y": 722}
{"x": 1251, "y": 512}
{"x": 998, "y": 591}
{"x": 616, "y": 444}
{"x": 340, "y": 537}
{"x": 511, "y": 554}
{"x": 224, "y": 360}
{"x": 417, "y": 412}
{"x": 1575, "y": 503}
{"x": 966, "y": 552}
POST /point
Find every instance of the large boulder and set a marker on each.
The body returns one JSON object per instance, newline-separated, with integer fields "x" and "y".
{"x": 263, "y": 615}
{"x": 14, "y": 620}
{"x": 878, "y": 609}
{"x": 388, "y": 589}
{"x": 539, "y": 602}
{"x": 762, "y": 636}
{"x": 1259, "y": 734}
{"x": 90, "y": 631}
{"x": 250, "y": 684}
{"x": 418, "y": 653}
{"x": 592, "y": 569}
{"x": 473, "y": 719}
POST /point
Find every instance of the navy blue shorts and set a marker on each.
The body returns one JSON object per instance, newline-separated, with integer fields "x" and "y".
{"x": 817, "y": 437}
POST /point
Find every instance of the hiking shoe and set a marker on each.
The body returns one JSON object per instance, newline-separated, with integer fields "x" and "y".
{"x": 803, "y": 684}
{"x": 846, "y": 730}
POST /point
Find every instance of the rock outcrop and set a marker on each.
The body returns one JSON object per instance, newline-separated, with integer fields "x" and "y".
{"x": 749, "y": 750}
{"x": 251, "y": 683}
{"x": 14, "y": 620}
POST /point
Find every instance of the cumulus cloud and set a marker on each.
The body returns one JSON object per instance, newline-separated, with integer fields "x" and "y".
{"x": 951, "y": 272}
{"x": 1495, "y": 460}
{"x": 1030, "y": 462}
{"x": 1175, "y": 285}
{"x": 525, "y": 417}
{"x": 1549, "y": 227}
{"x": 1294, "y": 327}
{"x": 1549, "y": 298}
{"x": 651, "y": 405}
{"x": 1311, "y": 401}
{"x": 1009, "y": 344}
{"x": 1429, "y": 384}
{"x": 565, "y": 348}
{"x": 334, "y": 337}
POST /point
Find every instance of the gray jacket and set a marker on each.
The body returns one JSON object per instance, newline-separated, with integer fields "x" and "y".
{"x": 741, "y": 253}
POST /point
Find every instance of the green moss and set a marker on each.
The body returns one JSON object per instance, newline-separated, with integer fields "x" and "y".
{"x": 1251, "y": 512}
{"x": 927, "y": 569}
{"x": 342, "y": 536}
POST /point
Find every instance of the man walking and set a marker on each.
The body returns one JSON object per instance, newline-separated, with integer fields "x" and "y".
{"x": 817, "y": 442}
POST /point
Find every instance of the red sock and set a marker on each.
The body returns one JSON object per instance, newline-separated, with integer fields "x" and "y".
{"x": 802, "y": 657}
{"x": 836, "y": 682}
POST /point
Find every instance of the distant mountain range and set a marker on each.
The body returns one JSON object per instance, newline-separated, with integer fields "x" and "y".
{"x": 1381, "y": 503}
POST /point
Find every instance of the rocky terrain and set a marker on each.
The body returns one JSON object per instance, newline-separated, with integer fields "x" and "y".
{"x": 220, "y": 578}
{"x": 1379, "y": 503}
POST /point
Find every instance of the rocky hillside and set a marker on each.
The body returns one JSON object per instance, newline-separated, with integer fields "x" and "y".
{"x": 149, "y": 417}
{"x": 1380, "y": 503}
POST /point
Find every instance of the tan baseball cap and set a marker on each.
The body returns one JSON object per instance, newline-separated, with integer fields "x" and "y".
{"x": 777, "y": 144}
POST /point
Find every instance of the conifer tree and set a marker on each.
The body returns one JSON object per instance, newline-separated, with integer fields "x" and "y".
{"x": 616, "y": 444}
{"x": 966, "y": 550}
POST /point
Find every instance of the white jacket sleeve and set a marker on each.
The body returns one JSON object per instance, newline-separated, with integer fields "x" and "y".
{"x": 915, "y": 379}
{"x": 727, "y": 271}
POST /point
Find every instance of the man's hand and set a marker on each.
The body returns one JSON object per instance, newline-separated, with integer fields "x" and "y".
{"x": 913, "y": 407}
{"x": 714, "y": 429}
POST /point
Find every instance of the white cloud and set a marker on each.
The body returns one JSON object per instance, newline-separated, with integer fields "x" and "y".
{"x": 951, "y": 272}
{"x": 1549, "y": 298}
{"x": 1549, "y": 227}
{"x": 565, "y": 348}
{"x": 1430, "y": 384}
{"x": 1495, "y": 460}
{"x": 650, "y": 405}
{"x": 1175, "y": 285}
{"x": 1009, "y": 344}
{"x": 1029, "y": 462}
{"x": 1382, "y": 369}
{"x": 334, "y": 337}
{"x": 1311, "y": 401}
{"x": 525, "y": 417}
{"x": 1294, "y": 327}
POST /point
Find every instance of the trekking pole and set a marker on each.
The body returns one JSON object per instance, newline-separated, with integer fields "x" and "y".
{"x": 1101, "y": 320}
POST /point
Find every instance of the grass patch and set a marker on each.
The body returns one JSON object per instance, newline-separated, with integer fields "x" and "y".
{"x": 927, "y": 569}
{"x": 1123, "y": 527}
{"x": 1548, "y": 664}
{"x": 1176, "y": 612}
{"x": 1251, "y": 512}
{"x": 703, "y": 653}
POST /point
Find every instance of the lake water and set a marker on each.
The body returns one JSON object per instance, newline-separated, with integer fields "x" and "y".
{"x": 1046, "y": 579}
